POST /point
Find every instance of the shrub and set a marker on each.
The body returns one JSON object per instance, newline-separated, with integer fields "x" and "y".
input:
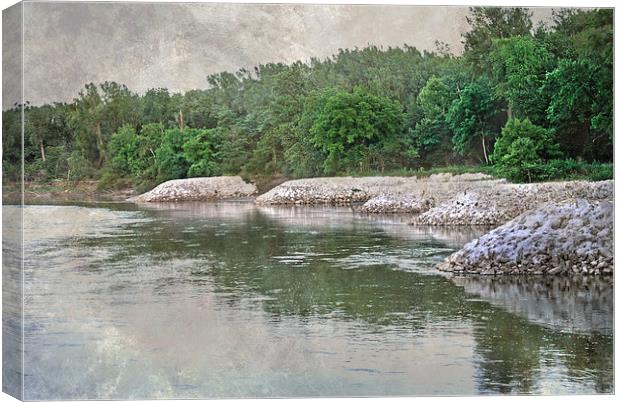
{"x": 522, "y": 150}
{"x": 78, "y": 166}
{"x": 600, "y": 171}
{"x": 200, "y": 153}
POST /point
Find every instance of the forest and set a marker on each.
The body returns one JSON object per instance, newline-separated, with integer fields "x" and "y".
{"x": 524, "y": 102}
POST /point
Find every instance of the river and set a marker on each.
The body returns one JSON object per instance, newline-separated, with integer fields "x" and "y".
{"x": 228, "y": 299}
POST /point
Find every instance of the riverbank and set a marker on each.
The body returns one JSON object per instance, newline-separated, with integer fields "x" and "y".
{"x": 549, "y": 228}
{"x": 440, "y": 200}
{"x": 355, "y": 190}
{"x": 573, "y": 237}
{"x": 62, "y": 190}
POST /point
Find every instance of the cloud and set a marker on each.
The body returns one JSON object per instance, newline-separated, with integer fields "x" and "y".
{"x": 175, "y": 46}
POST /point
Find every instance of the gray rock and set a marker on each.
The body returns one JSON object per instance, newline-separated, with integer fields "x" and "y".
{"x": 544, "y": 241}
{"x": 198, "y": 189}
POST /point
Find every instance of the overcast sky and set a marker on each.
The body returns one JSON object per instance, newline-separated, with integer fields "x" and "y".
{"x": 177, "y": 45}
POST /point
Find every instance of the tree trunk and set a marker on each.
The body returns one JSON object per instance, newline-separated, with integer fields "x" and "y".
{"x": 100, "y": 145}
{"x": 181, "y": 122}
{"x": 509, "y": 112}
{"x": 484, "y": 151}
{"x": 42, "y": 148}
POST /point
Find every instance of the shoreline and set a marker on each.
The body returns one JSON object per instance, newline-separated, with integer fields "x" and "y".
{"x": 442, "y": 200}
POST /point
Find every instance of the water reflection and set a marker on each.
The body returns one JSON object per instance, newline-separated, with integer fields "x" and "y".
{"x": 227, "y": 299}
{"x": 580, "y": 304}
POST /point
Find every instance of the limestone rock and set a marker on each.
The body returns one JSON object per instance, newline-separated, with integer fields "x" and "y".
{"x": 557, "y": 238}
{"x": 198, "y": 189}
{"x": 385, "y": 204}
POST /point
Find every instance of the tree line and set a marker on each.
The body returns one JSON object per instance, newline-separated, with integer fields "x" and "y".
{"x": 523, "y": 102}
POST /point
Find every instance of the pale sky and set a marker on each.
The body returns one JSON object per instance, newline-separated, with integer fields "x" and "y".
{"x": 177, "y": 45}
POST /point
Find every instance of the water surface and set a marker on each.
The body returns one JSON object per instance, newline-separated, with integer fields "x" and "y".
{"x": 233, "y": 300}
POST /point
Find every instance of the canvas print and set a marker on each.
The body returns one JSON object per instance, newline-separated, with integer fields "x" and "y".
{"x": 222, "y": 200}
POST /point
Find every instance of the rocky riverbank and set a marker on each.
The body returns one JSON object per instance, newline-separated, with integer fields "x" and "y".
{"x": 497, "y": 205}
{"x": 553, "y": 228}
{"x": 572, "y": 237}
{"x": 198, "y": 189}
{"x": 388, "y": 204}
{"x": 392, "y": 194}
{"x": 548, "y": 228}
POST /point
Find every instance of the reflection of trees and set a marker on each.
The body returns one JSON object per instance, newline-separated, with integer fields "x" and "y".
{"x": 591, "y": 355}
{"x": 510, "y": 357}
{"x": 511, "y": 351}
{"x": 582, "y": 303}
{"x": 312, "y": 278}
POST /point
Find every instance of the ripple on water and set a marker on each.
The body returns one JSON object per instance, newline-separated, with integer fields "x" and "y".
{"x": 208, "y": 301}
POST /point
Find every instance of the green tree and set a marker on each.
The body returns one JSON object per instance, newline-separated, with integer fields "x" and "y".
{"x": 200, "y": 151}
{"x": 97, "y": 113}
{"x": 354, "y": 128}
{"x": 581, "y": 107}
{"x": 38, "y": 126}
{"x": 522, "y": 149}
{"x": 432, "y": 130}
{"x": 171, "y": 162}
{"x": 519, "y": 65}
{"x": 472, "y": 116}
{"x": 123, "y": 148}
{"x": 159, "y": 107}
{"x": 489, "y": 23}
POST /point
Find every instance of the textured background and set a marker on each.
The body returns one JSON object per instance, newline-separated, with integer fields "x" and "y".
{"x": 177, "y": 45}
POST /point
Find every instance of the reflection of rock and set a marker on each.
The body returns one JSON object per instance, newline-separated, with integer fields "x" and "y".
{"x": 567, "y": 238}
{"x": 198, "y": 189}
{"x": 578, "y": 304}
{"x": 231, "y": 210}
{"x": 345, "y": 218}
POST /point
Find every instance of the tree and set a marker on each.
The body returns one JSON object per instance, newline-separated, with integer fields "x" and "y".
{"x": 171, "y": 162}
{"x": 432, "y": 129}
{"x": 158, "y": 107}
{"x": 354, "y": 128}
{"x": 489, "y": 23}
{"x": 98, "y": 112}
{"x": 472, "y": 116}
{"x": 133, "y": 153}
{"x": 38, "y": 126}
{"x": 200, "y": 151}
{"x": 581, "y": 107}
{"x": 519, "y": 65}
{"x": 522, "y": 149}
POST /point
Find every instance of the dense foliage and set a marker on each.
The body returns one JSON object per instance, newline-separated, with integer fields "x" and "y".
{"x": 523, "y": 150}
{"x": 527, "y": 103}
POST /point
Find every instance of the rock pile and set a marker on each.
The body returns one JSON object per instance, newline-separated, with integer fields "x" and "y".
{"x": 496, "y": 205}
{"x": 574, "y": 237}
{"x": 198, "y": 189}
{"x": 385, "y": 204}
{"x": 465, "y": 209}
{"x": 348, "y": 190}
